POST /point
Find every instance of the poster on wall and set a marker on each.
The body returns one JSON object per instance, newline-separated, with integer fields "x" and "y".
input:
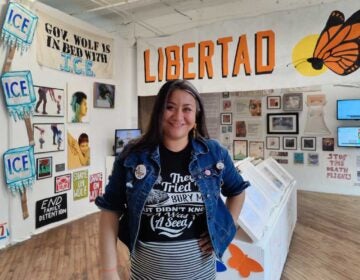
{"x": 48, "y": 137}
{"x": 315, "y": 120}
{"x": 51, "y": 210}
{"x": 80, "y": 184}
{"x": 68, "y": 48}
{"x": 96, "y": 183}
{"x": 104, "y": 95}
{"x": 78, "y": 100}
{"x": 62, "y": 183}
{"x": 78, "y": 147}
{"x": 49, "y": 101}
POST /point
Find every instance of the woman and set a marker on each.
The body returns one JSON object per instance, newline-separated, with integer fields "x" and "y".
{"x": 167, "y": 186}
{"x": 79, "y": 106}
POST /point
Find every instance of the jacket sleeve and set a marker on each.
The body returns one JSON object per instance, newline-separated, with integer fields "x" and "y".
{"x": 114, "y": 197}
{"x": 233, "y": 182}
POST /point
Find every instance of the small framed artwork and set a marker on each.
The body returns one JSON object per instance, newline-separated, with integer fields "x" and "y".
{"x": 226, "y": 105}
{"x": 48, "y": 137}
{"x": 308, "y": 143}
{"x": 43, "y": 168}
{"x": 274, "y": 102}
{"x": 62, "y": 183}
{"x": 223, "y": 129}
{"x": 313, "y": 159}
{"x": 289, "y": 143}
{"x": 226, "y": 94}
{"x": 226, "y": 118}
{"x": 282, "y": 123}
{"x": 298, "y": 158}
{"x": 256, "y": 149}
{"x": 328, "y": 144}
{"x": 293, "y": 101}
{"x": 49, "y": 102}
{"x": 273, "y": 142}
{"x": 104, "y": 95}
{"x": 240, "y": 149}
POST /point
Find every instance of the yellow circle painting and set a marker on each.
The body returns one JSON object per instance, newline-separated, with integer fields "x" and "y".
{"x": 301, "y": 52}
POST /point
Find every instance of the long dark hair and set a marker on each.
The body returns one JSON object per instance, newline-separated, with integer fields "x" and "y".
{"x": 154, "y": 135}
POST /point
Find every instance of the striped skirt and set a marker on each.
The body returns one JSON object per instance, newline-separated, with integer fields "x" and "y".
{"x": 180, "y": 260}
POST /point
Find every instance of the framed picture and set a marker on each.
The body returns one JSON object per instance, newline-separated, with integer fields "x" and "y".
{"x": 48, "y": 137}
{"x": 313, "y": 159}
{"x": 104, "y": 95}
{"x": 49, "y": 102}
{"x": 62, "y": 183}
{"x": 293, "y": 101}
{"x": 308, "y": 143}
{"x": 283, "y": 123}
{"x": 273, "y": 102}
{"x": 226, "y": 118}
{"x": 226, "y": 94}
{"x": 43, "y": 168}
{"x": 298, "y": 158}
{"x": 240, "y": 129}
{"x": 273, "y": 142}
{"x": 328, "y": 144}
{"x": 256, "y": 149}
{"x": 226, "y": 105}
{"x": 240, "y": 149}
{"x": 79, "y": 98}
{"x": 289, "y": 143}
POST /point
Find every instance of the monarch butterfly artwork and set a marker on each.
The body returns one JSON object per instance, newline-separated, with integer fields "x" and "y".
{"x": 338, "y": 46}
{"x": 242, "y": 263}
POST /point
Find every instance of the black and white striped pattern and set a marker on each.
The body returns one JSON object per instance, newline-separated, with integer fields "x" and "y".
{"x": 181, "y": 260}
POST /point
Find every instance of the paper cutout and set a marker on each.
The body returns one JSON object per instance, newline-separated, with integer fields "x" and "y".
{"x": 19, "y": 27}
{"x": 19, "y": 93}
{"x": 4, "y": 231}
{"x": 19, "y": 165}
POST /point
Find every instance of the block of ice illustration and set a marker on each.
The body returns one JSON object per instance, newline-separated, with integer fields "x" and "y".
{"x": 19, "y": 165}
{"x": 19, "y": 26}
{"x": 19, "y": 93}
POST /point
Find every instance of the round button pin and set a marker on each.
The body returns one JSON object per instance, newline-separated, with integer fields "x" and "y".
{"x": 207, "y": 172}
{"x": 140, "y": 171}
{"x": 220, "y": 165}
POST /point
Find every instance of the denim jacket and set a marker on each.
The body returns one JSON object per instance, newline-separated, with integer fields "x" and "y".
{"x": 213, "y": 171}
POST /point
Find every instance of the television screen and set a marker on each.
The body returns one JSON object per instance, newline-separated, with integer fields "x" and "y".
{"x": 348, "y": 109}
{"x": 348, "y": 136}
{"x": 123, "y": 136}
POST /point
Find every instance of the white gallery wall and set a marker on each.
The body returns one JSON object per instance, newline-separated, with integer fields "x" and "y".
{"x": 101, "y": 128}
{"x": 208, "y": 56}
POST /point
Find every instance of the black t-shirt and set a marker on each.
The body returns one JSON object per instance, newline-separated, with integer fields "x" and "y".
{"x": 174, "y": 209}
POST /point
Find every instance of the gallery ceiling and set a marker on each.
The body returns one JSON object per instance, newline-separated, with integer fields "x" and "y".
{"x": 151, "y": 18}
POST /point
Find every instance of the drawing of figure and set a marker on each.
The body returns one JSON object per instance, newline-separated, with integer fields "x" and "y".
{"x": 59, "y": 139}
{"x": 58, "y": 104}
{"x": 42, "y": 91}
{"x": 79, "y": 106}
{"x": 41, "y": 138}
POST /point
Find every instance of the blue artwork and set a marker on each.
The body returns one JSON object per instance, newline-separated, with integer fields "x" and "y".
{"x": 19, "y": 93}
{"x": 19, "y": 26}
{"x": 220, "y": 267}
{"x": 19, "y": 164}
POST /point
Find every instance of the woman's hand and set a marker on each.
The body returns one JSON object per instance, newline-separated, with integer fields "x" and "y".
{"x": 205, "y": 243}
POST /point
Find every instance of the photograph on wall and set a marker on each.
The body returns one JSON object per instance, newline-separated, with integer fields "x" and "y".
{"x": 273, "y": 102}
{"x": 313, "y": 159}
{"x": 80, "y": 184}
{"x": 96, "y": 184}
{"x": 226, "y": 118}
{"x": 328, "y": 144}
{"x": 78, "y": 100}
{"x": 282, "y": 123}
{"x": 240, "y": 129}
{"x": 298, "y": 158}
{"x": 240, "y": 149}
{"x": 256, "y": 149}
{"x": 78, "y": 147}
{"x": 104, "y": 95}
{"x": 289, "y": 143}
{"x": 49, "y": 101}
{"x": 315, "y": 121}
{"x": 62, "y": 183}
{"x": 51, "y": 210}
{"x": 226, "y": 94}
{"x": 226, "y": 105}
{"x": 308, "y": 143}
{"x": 48, "y": 137}
{"x": 273, "y": 142}
{"x": 43, "y": 168}
{"x": 293, "y": 101}
{"x": 255, "y": 107}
